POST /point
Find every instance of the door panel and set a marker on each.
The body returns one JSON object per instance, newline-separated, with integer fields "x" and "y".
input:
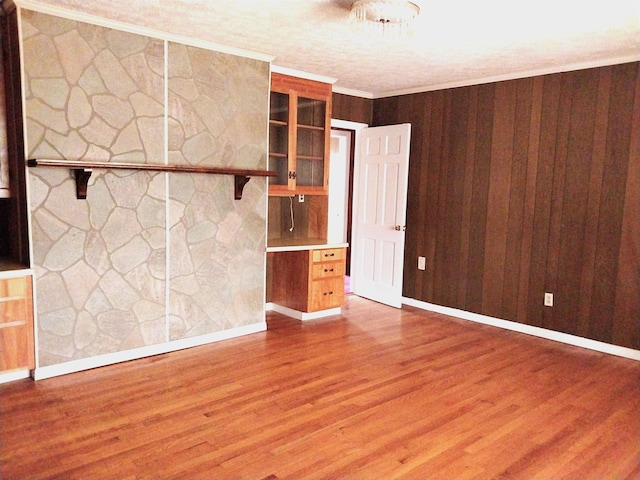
{"x": 379, "y": 213}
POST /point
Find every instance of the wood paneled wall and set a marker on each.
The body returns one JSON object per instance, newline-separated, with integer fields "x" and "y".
{"x": 353, "y": 109}
{"x": 528, "y": 186}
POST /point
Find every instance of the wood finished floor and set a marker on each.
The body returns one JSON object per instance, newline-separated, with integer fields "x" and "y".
{"x": 376, "y": 393}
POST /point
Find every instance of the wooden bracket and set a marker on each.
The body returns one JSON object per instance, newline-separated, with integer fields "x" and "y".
{"x": 82, "y": 180}
{"x": 239, "y": 182}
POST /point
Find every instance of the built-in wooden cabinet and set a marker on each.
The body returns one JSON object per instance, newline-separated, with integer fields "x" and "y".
{"x": 299, "y": 135}
{"x": 16, "y": 324}
{"x": 309, "y": 280}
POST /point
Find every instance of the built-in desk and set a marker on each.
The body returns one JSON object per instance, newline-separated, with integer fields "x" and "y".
{"x": 307, "y": 278}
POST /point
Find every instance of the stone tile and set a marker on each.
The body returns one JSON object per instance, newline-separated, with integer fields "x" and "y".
{"x": 80, "y": 110}
{"x": 74, "y": 53}
{"x": 52, "y": 91}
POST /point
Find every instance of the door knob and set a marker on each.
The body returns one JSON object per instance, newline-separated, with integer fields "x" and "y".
{"x": 400, "y": 228}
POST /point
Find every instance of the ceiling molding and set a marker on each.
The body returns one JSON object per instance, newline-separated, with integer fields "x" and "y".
{"x": 353, "y": 93}
{"x": 306, "y": 75}
{"x": 510, "y": 76}
{"x": 136, "y": 29}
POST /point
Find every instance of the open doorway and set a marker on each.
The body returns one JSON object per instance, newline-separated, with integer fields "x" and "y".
{"x": 343, "y": 154}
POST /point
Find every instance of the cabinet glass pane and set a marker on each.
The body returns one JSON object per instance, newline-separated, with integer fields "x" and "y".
{"x": 279, "y": 107}
{"x": 278, "y": 139}
{"x": 310, "y": 143}
{"x": 281, "y": 165}
{"x": 310, "y": 173}
{"x": 311, "y": 112}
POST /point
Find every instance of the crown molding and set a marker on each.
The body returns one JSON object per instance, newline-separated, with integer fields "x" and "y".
{"x": 511, "y": 76}
{"x": 353, "y": 93}
{"x": 300, "y": 74}
{"x": 139, "y": 30}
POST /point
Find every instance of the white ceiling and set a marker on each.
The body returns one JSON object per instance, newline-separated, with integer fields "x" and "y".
{"x": 455, "y": 42}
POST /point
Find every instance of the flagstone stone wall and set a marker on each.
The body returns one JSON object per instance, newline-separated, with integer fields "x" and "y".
{"x": 148, "y": 257}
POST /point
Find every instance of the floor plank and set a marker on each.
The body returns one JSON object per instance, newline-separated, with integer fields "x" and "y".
{"x": 373, "y": 393}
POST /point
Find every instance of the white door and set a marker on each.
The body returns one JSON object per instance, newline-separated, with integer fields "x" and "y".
{"x": 381, "y": 173}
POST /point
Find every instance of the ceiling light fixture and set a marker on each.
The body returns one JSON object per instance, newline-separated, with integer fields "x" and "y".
{"x": 389, "y": 18}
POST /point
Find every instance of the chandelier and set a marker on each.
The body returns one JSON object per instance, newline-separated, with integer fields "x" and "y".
{"x": 389, "y": 18}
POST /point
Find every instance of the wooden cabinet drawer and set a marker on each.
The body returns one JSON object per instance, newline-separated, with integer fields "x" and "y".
{"x": 327, "y": 269}
{"x": 328, "y": 255}
{"x": 327, "y": 293}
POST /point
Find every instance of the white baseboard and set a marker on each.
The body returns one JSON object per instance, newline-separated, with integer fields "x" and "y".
{"x": 303, "y": 316}
{"x": 14, "y": 375}
{"x": 528, "y": 329}
{"x": 150, "y": 350}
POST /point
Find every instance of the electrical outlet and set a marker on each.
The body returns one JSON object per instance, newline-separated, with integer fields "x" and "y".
{"x": 422, "y": 263}
{"x": 301, "y": 198}
{"x": 548, "y": 299}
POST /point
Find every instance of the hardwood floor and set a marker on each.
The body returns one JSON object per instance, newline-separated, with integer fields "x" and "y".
{"x": 376, "y": 393}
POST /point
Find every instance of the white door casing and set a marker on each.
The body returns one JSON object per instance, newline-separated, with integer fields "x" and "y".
{"x": 380, "y": 203}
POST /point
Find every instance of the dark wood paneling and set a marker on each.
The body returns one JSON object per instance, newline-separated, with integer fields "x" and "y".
{"x": 14, "y": 230}
{"x": 524, "y": 187}
{"x": 353, "y": 109}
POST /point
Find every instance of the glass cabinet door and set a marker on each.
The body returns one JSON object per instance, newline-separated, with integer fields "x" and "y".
{"x": 279, "y": 138}
{"x": 310, "y": 142}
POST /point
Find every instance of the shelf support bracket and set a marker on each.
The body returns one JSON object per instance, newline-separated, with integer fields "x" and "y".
{"x": 82, "y": 180}
{"x": 239, "y": 182}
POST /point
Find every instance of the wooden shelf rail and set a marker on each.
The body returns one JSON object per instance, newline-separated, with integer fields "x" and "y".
{"x": 83, "y": 170}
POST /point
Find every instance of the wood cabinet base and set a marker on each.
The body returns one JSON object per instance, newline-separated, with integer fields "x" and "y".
{"x": 309, "y": 280}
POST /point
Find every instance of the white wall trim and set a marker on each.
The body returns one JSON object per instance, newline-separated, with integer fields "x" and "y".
{"x": 511, "y": 76}
{"x": 73, "y": 366}
{"x": 14, "y": 375}
{"x": 300, "y": 74}
{"x": 352, "y": 92}
{"x": 145, "y": 31}
{"x": 528, "y": 329}
{"x": 302, "y": 316}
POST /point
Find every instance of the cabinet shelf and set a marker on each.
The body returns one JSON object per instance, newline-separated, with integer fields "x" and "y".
{"x": 311, "y": 127}
{"x": 279, "y": 123}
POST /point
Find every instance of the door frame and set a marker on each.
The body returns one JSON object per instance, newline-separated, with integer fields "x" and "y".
{"x": 356, "y": 129}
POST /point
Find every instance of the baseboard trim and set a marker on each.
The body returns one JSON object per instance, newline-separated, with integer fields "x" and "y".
{"x": 303, "y": 316}
{"x": 74, "y": 366}
{"x": 527, "y": 329}
{"x": 14, "y": 375}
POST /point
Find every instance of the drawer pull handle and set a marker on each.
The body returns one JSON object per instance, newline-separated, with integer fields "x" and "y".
{"x": 328, "y": 270}
{"x": 329, "y": 254}
{"x": 328, "y": 293}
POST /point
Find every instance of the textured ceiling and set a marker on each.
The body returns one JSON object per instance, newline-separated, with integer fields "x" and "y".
{"x": 454, "y": 42}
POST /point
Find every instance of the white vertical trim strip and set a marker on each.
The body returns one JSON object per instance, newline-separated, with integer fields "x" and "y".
{"x": 527, "y": 329}
{"x": 23, "y": 101}
{"x": 167, "y": 210}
